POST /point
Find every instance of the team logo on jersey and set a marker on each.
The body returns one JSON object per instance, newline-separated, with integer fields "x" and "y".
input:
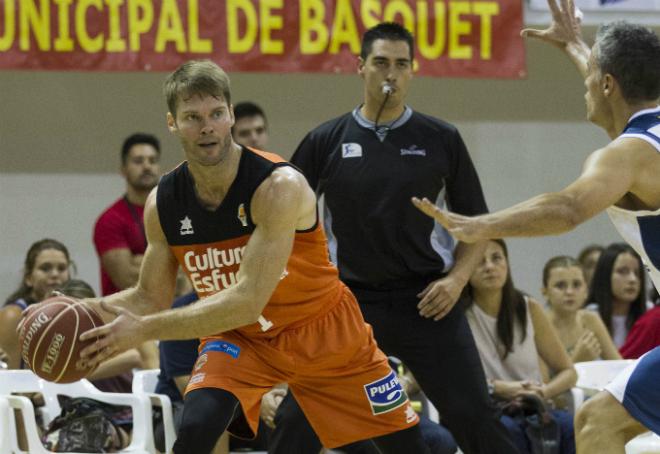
{"x": 186, "y": 226}
{"x": 351, "y": 150}
{"x": 242, "y": 216}
{"x": 385, "y": 394}
{"x": 413, "y": 151}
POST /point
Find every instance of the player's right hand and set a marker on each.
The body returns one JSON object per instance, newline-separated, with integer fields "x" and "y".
{"x": 565, "y": 28}
{"x": 467, "y": 229}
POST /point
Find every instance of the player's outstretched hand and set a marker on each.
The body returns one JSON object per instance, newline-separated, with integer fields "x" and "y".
{"x": 565, "y": 28}
{"x": 463, "y": 228}
{"x": 123, "y": 333}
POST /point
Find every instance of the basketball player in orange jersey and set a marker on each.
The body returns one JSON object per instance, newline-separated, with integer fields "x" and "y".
{"x": 243, "y": 224}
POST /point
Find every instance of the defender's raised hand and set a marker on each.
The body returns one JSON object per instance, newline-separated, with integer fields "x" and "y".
{"x": 565, "y": 28}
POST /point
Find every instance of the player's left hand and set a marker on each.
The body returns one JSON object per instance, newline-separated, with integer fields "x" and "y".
{"x": 123, "y": 333}
{"x": 463, "y": 228}
{"x": 439, "y": 297}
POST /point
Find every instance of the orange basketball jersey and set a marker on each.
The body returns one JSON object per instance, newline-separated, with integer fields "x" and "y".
{"x": 209, "y": 245}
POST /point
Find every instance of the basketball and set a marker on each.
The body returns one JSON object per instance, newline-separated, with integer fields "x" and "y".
{"x": 49, "y": 339}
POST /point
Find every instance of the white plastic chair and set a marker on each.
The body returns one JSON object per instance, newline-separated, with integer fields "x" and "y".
{"x": 144, "y": 382}
{"x": 24, "y": 381}
{"x": 593, "y": 376}
{"x": 7, "y": 430}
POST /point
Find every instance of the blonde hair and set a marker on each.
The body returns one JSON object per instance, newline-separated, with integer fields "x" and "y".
{"x": 196, "y": 77}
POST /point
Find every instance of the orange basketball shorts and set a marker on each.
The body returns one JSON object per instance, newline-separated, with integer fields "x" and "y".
{"x": 332, "y": 364}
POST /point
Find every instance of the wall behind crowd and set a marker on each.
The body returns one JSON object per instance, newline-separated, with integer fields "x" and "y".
{"x": 60, "y": 136}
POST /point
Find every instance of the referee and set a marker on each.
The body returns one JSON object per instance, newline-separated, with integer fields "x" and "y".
{"x": 406, "y": 271}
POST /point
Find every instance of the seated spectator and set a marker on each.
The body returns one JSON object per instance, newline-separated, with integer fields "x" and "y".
{"x": 617, "y": 290}
{"x": 588, "y": 258}
{"x": 645, "y": 333}
{"x": 511, "y": 332}
{"x": 582, "y": 332}
{"x": 47, "y": 266}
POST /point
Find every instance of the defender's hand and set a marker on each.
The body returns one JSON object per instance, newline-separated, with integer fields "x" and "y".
{"x": 565, "y": 28}
{"x": 463, "y": 228}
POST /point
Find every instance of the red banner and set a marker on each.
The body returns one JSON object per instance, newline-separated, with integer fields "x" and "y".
{"x": 454, "y": 38}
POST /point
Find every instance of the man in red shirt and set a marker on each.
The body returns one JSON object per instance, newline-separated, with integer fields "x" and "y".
{"x": 119, "y": 231}
{"x": 251, "y": 127}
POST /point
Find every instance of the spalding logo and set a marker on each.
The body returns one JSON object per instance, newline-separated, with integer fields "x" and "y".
{"x": 36, "y": 324}
{"x": 53, "y": 353}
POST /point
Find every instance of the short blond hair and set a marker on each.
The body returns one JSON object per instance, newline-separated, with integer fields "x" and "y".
{"x": 196, "y": 77}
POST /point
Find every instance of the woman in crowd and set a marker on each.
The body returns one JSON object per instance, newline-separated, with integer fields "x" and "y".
{"x": 47, "y": 266}
{"x": 512, "y": 332}
{"x": 617, "y": 290}
{"x": 582, "y": 332}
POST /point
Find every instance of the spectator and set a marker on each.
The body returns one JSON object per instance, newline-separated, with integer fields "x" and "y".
{"x": 617, "y": 290}
{"x": 582, "y": 332}
{"x": 119, "y": 232}
{"x": 250, "y": 126}
{"x": 512, "y": 332}
{"x": 588, "y": 257}
{"x": 47, "y": 266}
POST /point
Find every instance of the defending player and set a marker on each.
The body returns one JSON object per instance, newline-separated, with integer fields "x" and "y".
{"x": 622, "y": 78}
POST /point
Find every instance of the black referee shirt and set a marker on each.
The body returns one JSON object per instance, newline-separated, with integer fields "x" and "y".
{"x": 377, "y": 238}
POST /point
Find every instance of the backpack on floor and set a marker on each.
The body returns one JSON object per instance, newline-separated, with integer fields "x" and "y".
{"x": 84, "y": 425}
